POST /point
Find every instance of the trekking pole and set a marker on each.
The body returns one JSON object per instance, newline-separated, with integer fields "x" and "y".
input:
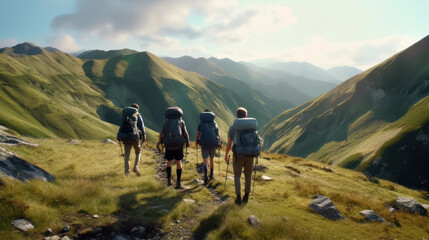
{"x": 226, "y": 174}
{"x": 254, "y": 176}
{"x": 122, "y": 152}
{"x": 186, "y": 156}
{"x": 218, "y": 159}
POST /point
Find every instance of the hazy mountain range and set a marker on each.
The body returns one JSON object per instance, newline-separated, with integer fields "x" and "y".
{"x": 377, "y": 121}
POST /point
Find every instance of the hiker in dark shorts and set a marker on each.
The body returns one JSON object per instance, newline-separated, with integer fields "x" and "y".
{"x": 243, "y": 152}
{"x": 174, "y": 136}
{"x": 208, "y": 137}
{"x": 126, "y": 134}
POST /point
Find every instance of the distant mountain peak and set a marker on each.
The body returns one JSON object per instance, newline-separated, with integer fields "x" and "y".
{"x": 26, "y": 48}
{"x": 101, "y": 54}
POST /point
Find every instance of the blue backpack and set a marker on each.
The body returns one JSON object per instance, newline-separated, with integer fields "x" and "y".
{"x": 247, "y": 142}
{"x": 208, "y": 130}
{"x": 128, "y": 131}
{"x": 173, "y": 135}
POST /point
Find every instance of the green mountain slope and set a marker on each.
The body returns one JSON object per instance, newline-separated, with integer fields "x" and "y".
{"x": 210, "y": 70}
{"x": 48, "y": 94}
{"x": 370, "y": 122}
{"x": 101, "y": 54}
{"x": 155, "y": 84}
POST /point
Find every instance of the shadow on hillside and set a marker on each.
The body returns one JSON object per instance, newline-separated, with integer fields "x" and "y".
{"x": 211, "y": 222}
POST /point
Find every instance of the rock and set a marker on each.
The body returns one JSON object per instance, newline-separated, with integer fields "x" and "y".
{"x": 119, "y": 237}
{"x": 189, "y": 200}
{"x": 254, "y": 221}
{"x": 22, "y": 224}
{"x": 285, "y": 219}
{"x": 15, "y": 167}
{"x": 109, "y": 141}
{"x": 95, "y": 216}
{"x": 230, "y": 178}
{"x": 266, "y": 178}
{"x": 73, "y": 141}
{"x": 65, "y": 238}
{"x": 425, "y": 205}
{"x": 48, "y": 232}
{"x": 140, "y": 230}
{"x": 261, "y": 168}
{"x": 12, "y": 140}
{"x": 325, "y": 207}
{"x": 65, "y": 229}
{"x": 391, "y": 209}
{"x": 177, "y": 221}
{"x": 370, "y": 215}
{"x": 409, "y": 205}
{"x": 56, "y": 237}
{"x": 196, "y": 180}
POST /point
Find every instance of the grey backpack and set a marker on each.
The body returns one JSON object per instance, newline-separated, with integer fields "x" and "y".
{"x": 247, "y": 142}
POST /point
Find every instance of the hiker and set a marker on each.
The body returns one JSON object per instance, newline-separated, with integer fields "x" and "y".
{"x": 174, "y": 136}
{"x": 208, "y": 137}
{"x": 132, "y": 133}
{"x": 247, "y": 146}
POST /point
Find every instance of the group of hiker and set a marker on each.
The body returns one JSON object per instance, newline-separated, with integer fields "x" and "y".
{"x": 174, "y": 136}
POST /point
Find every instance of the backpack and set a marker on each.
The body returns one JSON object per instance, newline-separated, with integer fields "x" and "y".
{"x": 173, "y": 135}
{"x": 247, "y": 142}
{"x": 208, "y": 130}
{"x": 128, "y": 130}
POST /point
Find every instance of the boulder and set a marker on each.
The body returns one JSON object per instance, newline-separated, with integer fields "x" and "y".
{"x": 23, "y": 224}
{"x": 325, "y": 207}
{"x": 140, "y": 230}
{"x": 254, "y": 221}
{"x": 409, "y": 205}
{"x": 12, "y": 140}
{"x": 189, "y": 200}
{"x": 56, "y": 237}
{"x": 370, "y": 215}
{"x": 15, "y": 167}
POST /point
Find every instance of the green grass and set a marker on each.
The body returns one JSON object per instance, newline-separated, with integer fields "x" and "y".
{"x": 352, "y": 161}
{"x": 89, "y": 180}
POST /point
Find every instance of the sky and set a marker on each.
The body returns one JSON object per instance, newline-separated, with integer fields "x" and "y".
{"x": 328, "y": 33}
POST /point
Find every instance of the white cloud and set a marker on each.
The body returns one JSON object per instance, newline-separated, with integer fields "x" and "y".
{"x": 8, "y": 42}
{"x": 64, "y": 42}
{"x": 362, "y": 54}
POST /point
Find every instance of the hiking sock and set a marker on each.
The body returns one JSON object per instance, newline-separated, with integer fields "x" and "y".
{"x": 168, "y": 176}
{"x": 211, "y": 173}
{"x": 245, "y": 198}
{"x": 205, "y": 173}
{"x": 179, "y": 176}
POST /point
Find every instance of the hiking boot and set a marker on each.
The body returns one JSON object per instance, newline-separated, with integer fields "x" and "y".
{"x": 178, "y": 185}
{"x": 137, "y": 172}
{"x": 126, "y": 174}
{"x": 169, "y": 182}
{"x": 206, "y": 180}
{"x": 211, "y": 174}
{"x": 245, "y": 198}
{"x": 238, "y": 200}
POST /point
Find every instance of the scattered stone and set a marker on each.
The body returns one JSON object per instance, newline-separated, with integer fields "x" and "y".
{"x": 73, "y": 141}
{"x": 22, "y": 224}
{"x": 56, "y": 237}
{"x": 230, "y": 178}
{"x": 196, "y": 180}
{"x": 266, "y": 178}
{"x": 409, "y": 205}
{"x": 254, "y": 221}
{"x": 65, "y": 238}
{"x": 189, "y": 200}
{"x": 12, "y": 140}
{"x": 95, "y": 216}
{"x": 119, "y": 237}
{"x": 326, "y": 169}
{"x": 109, "y": 141}
{"x": 370, "y": 215}
{"x": 391, "y": 209}
{"x": 15, "y": 167}
{"x": 425, "y": 205}
{"x": 65, "y": 229}
{"x": 177, "y": 221}
{"x": 325, "y": 207}
{"x": 48, "y": 232}
{"x": 261, "y": 168}
{"x": 285, "y": 219}
{"x": 140, "y": 230}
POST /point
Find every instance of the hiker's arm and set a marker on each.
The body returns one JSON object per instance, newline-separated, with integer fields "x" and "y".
{"x": 185, "y": 133}
{"x": 228, "y": 147}
{"x": 196, "y": 139}
{"x": 161, "y": 133}
{"x": 140, "y": 124}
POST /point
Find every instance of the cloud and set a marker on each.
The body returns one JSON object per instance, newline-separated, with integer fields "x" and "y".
{"x": 8, "y": 42}
{"x": 64, "y": 42}
{"x": 362, "y": 54}
{"x": 223, "y": 21}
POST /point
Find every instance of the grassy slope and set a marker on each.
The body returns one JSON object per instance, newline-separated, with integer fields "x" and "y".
{"x": 90, "y": 181}
{"x": 359, "y": 116}
{"x": 49, "y": 95}
{"x": 155, "y": 84}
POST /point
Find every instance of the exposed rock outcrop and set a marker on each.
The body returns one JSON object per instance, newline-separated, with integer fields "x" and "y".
{"x": 325, "y": 207}
{"x": 409, "y": 205}
{"x": 370, "y": 215}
